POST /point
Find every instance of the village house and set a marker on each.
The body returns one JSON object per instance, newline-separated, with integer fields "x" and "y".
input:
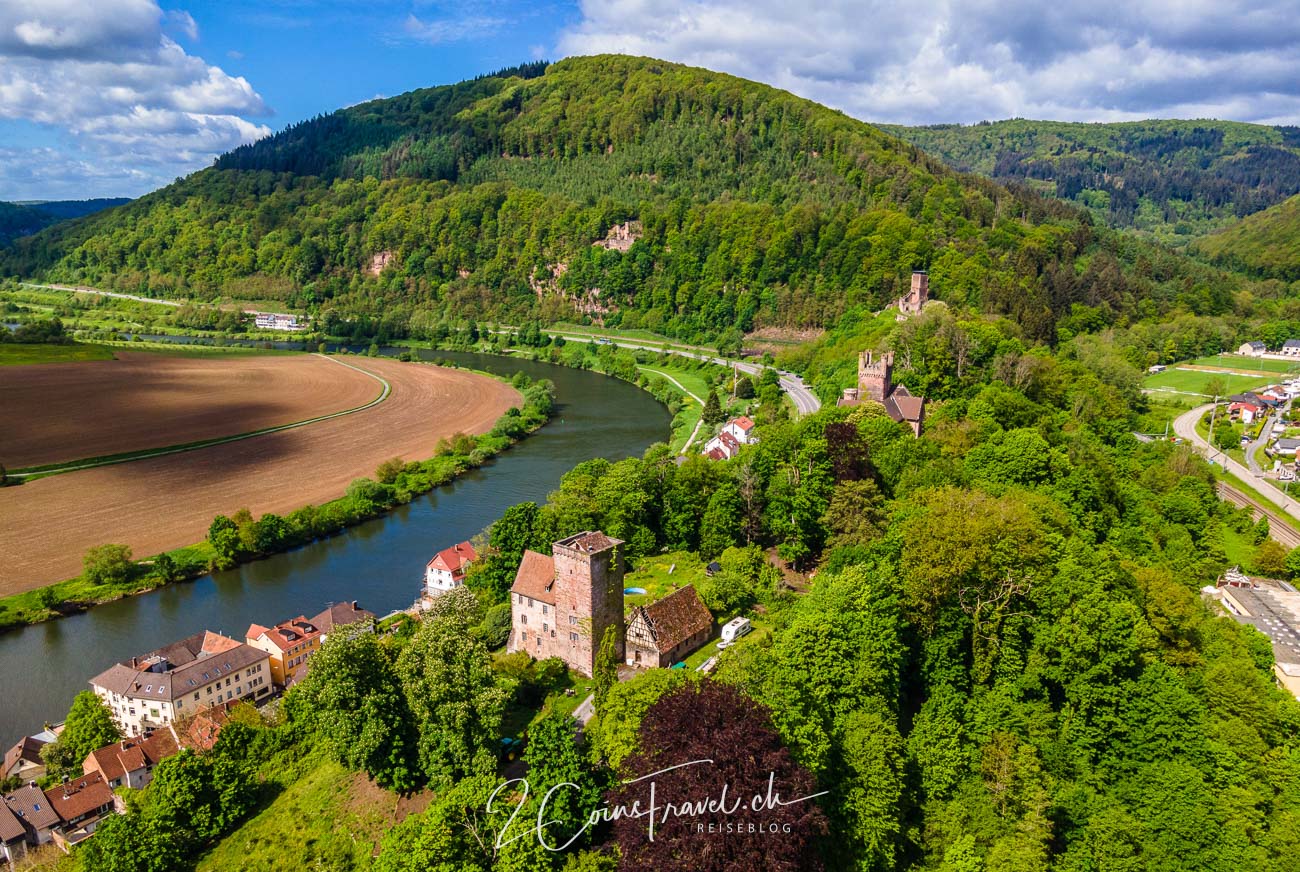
{"x": 80, "y": 805}
{"x": 276, "y": 321}
{"x": 1286, "y": 446}
{"x": 666, "y": 631}
{"x": 1291, "y": 348}
{"x": 290, "y": 643}
{"x": 914, "y": 300}
{"x": 734, "y": 433}
{"x": 130, "y": 762}
{"x": 561, "y": 605}
{"x": 446, "y": 571}
{"x": 13, "y": 838}
{"x": 24, "y": 760}
{"x": 1252, "y": 349}
{"x": 876, "y": 384}
{"x": 1246, "y": 412}
{"x": 177, "y": 680}
{"x": 32, "y": 809}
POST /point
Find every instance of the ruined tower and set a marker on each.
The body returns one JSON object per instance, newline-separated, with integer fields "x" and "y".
{"x": 588, "y": 595}
{"x": 875, "y": 376}
{"x": 914, "y": 300}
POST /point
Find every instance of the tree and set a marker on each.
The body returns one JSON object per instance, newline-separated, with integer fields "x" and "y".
{"x": 89, "y": 726}
{"x": 223, "y": 536}
{"x": 604, "y": 672}
{"x": 131, "y": 843}
{"x": 715, "y": 721}
{"x": 352, "y": 699}
{"x": 108, "y": 564}
{"x": 712, "y": 413}
{"x": 454, "y": 696}
{"x": 555, "y": 763}
{"x": 1215, "y": 387}
{"x": 1271, "y": 559}
{"x": 388, "y": 471}
{"x": 164, "y": 566}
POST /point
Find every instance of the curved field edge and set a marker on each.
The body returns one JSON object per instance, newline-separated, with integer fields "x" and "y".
{"x": 34, "y": 472}
{"x": 78, "y": 594}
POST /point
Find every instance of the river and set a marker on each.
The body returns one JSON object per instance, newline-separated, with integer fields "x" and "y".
{"x": 379, "y": 563}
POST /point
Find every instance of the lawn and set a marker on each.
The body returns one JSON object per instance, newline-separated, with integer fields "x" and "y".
{"x": 329, "y": 818}
{"x": 661, "y": 575}
{"x": 1244, "y": 364}
{"x": 16, "y": 354}
{"x": 1194, "y": 381}
{"x": 1162, "y": 410}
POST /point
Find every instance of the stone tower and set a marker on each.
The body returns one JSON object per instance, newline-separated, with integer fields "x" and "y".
{"x": 588, "y": 595}
{"x": 914, "y": 300}
{"x": 875, "y": 376}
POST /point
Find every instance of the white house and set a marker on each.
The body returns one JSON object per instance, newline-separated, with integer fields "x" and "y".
{"x": 1291, "y": 348}
{"x": 276, "y": 321}
{"x": 734, "y": 433}
{"x": 177, "y": 680}
{"x": 446, "y": 571}
{"x": 1252, "y": 349}
{"x": 741, "y": 428}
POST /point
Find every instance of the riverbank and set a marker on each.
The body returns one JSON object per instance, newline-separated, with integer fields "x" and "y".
{"x": 365, "y": 500}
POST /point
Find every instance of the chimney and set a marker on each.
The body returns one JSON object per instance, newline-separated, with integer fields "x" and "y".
{"x": 354, "y": 605}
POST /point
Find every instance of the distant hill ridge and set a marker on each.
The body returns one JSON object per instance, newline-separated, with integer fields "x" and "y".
{"x": 737, "y": 206}
{"x": 31, "y": 216}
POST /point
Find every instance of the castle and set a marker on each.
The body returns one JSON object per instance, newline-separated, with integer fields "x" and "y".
{"x": 560, "y": 606}
{"x": 914, "y": 300}
{"x": 876, "y": 384}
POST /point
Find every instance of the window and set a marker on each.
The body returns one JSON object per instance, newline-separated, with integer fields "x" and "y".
{"x": 148, "y": 688}
{"x": 573, "y": 619}
{"x": 196, "y": 697}
{"x": 524, "y": 636}
{"x": 543, "y": 608}
{"x": 544, "y": 627}
{"x": 573, "y": 637}
{"x": 523, "y": 619}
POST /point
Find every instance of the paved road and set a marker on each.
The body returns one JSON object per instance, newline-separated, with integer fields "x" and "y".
{"x": 583, "y": 712}
{"x": 1185, "y": 426}
{"x": 82, "y": 290}
{"x": 805, "y": 401}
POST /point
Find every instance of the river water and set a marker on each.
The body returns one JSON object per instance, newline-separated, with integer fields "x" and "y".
{"x": 379, "y": 563}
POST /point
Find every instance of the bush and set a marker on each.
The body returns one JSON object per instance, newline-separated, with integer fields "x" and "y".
{"x": 108, "y": 564}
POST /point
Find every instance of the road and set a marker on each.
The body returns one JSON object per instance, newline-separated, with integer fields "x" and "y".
{"x": 1185, "y": 426}
{"x": 81, "y": 290}
{"x": 805, "y": 401}
{"x": 1264, "y": 433}
{"x": 697, "y": 399}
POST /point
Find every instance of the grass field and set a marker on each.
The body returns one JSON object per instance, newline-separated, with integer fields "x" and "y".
{"x": 1194, "y": 381}
{"x": 661, "y": 575}
{"x": 15, "y": 354}
{"x": 1240, "y": 364}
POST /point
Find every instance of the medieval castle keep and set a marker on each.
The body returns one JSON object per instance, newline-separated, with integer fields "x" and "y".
{"x": 876, "y": 384}
{"x": 914, "y": 300}
{"x": 561, "y": 605}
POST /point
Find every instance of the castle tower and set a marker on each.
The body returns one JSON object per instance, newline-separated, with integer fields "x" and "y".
{"x": 875, "y": 376}
{"x": 912, "y": 302}
{"x": 588, "y": 595}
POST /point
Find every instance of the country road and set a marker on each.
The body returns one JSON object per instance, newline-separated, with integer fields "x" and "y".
{"x": 805, "y": 401}
{"x": 81, "y": 290}
{"x": 1185, "y": 426}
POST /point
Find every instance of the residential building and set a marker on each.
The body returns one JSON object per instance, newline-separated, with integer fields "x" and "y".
{"x": 287, "y": 644}
{"x": 724, "y": 446}
{"x": 741, "y": 429}
{"x": 24, "y": 759}
{"x": 13, "y": 838}
{"x": 664, "y": 632}
{"x": 276, "y": 321}
{"x": 914, "y": 300}
{"x": 177, "y": 680}
{"x": 446, "y": 571}
{"x": 80, "y": 805}
{"x": 34, "y": 812}
{"x": 561, "y": 605}
{"x": 1286, "y": 446}
{"x": 1245, "y": 412}
{"x": 339, "y": 617}
{"x": 1291, "y": 348}
{"x": 1270, "y": 606}
{"x": 1252, "y": 349}
{"x": 876, "y": 384}
{"x": 130, "y": 762}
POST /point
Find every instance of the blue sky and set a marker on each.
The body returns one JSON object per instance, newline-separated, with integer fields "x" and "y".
{"x": 118, "y": 97}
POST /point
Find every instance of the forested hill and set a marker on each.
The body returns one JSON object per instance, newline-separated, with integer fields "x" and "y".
{"x": 1266, "y": 244}
{"x": 732, "y": 205}
{"x": 1171, "y": 179}
{"x": 21, "y": 219}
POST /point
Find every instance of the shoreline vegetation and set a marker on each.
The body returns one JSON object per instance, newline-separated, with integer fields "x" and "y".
{"x": 112, "y": 573}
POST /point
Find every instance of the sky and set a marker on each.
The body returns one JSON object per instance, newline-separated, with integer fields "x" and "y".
{"x": 119, "y": 97}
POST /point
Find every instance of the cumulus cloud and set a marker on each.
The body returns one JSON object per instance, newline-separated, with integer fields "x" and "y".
{"x": 128, "y": 96}
{"x": 928, "y": 61}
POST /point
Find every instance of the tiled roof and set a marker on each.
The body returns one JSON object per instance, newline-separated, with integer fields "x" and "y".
{"x": 130, "y": 755}
{"x": 183, "y": 665}
{"x": 535, "y": 577}
{"x": 31, "y": 807}
{"x": 341, "y": 615}
{"x": 744, "y": 423}
{"x": 27, "y": 748}
{"x": 589, "y": 541}
{"x": 286, "y": 634}
{"x": 10, "y": 828}
{"x": 677, "y": 617}
{"x": 454, "y": 559}
{"x": 76, "y": 798}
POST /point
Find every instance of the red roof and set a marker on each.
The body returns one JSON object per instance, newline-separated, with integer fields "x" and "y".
{"x": 80, "y": 797}
{"x": 744, "y": 423}
{"x": 130, "y": 755}
{"x": 535, "y": 576}
{"x": 286, "y": 634}
{"x": 454, "y": 559}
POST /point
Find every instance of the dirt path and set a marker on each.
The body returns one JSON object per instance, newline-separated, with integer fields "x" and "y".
{"x": 166, "y": 502}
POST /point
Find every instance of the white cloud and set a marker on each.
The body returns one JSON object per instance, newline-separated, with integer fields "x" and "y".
{"x": 125, "y": 93}
{"x": 929, "y": 61}
{"x": 452, "y": 29}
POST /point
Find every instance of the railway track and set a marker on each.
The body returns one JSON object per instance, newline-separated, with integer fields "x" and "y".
{"x": 1278, "y": 528}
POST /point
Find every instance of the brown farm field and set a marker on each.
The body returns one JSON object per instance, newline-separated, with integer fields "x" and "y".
{"x": 70, "y": 411}
{"x": 166, "y": 502}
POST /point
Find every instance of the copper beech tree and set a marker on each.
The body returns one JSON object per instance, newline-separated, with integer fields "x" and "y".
{"x": 720, "y": 740}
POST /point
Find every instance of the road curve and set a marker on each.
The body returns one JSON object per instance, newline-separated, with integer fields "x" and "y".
{"x": 1185, "y": 426}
